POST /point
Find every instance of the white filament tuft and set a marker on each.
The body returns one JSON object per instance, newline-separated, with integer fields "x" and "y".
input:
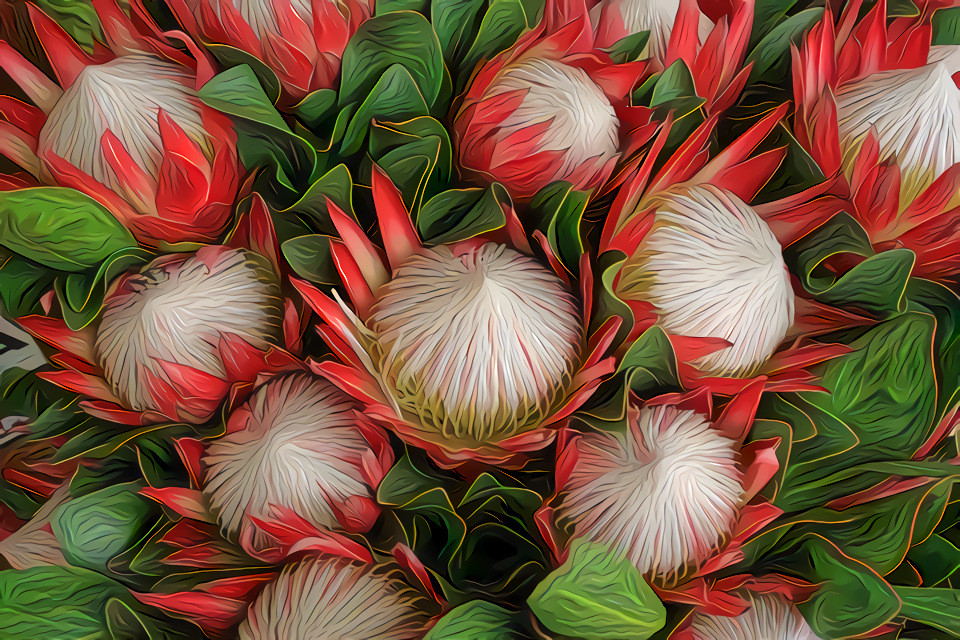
{"x": 331, "y": 599}
{"x": 176, "y": 311}
{"x": 299, "y": 448}
{"x": 915, "y": 114}
{"x": 655, "y": 16}
{"x": 479, "y": 345}
{"x": 712, "y": 268}
{"x": 770, "y": 617}
{"x": 123, "y": 96}
{"x": 580, "y": 121}
{"x": 665, "y": 493}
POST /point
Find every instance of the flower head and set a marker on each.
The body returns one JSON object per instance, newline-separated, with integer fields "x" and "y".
{"x": 333, "y": 598}
{"x": 548, "y": 109}
{"x": 666, "y": 493}
{"x": 479, "y": 344}
{"x": 127, "y": 128}
{"x": 302, "y": 41}
{"x": 712, "y": 268}
{"x": 770, "y": 616}
{"x": 616, "y": 19}
{"x": 295, "y": 444}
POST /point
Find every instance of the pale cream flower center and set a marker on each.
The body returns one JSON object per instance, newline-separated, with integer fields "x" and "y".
{"x": 770, "y": 617}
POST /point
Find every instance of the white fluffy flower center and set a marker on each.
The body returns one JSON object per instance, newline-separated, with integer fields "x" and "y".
{"x": 299, "y": 448}
{"x": 655, "y": 16}
{"x": 770, "y": 617}
{"x": 333, "y": 600}
{"x": 713, "y": 268}
{"x": 582, "y": 122}
{"x": 665, "y": 494}
{"x": 177, "y": 313}
{"x": 915, "y": 114}
{"x": 477, "y": 345}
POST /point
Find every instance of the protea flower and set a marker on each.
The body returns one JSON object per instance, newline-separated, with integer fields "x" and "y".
{"x": 467, "y": 350}
{"x": 301, "y": 40}
{"x": 712, "y": 268}
{"x": 550, "y": 108}
{"x": 125, "y": 127}
{"x": 297, "y": 444}
{"x": 878, "y": 109}
{"x": 333, "y": 598}
{"x": 616, "y": 19}
{"x": 769, "y": 616}
{"x": 173, "y": 337}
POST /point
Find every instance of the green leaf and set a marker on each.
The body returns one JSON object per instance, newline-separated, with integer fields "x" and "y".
{"x": 98, "y": 526}
{"x": 77, "y": 17}
{"x": 81, "y": 294}
{"x": 22, "y": 283}
{"x": 475, "y": 620}
{"x": 597, "y": 595}
{"x": 502, "y": 24}
{"x": 607, "y": 304}
{"x": 654, "y": 360}
{"x": 55, "y": 603}
{"x": 417, "y": 156}
{"x": 60, "y": 228}
{"x": 395, "y": 97}
{"x": 454, "y": 21}
{"x": 309, "y": 256}
{"x": 767, "y": 14}
{"x": 852, "y": 599}
{"x": 629, "y": 48}
{"x": 938, "y": 608}
{"x": 316, "y": 106}
{"x": 561, "y": 211}
{"x": 459, "y": 214}
{"x": 402, "y": 38}
{"x": 946, "y": 26}
{"x": 771, "y": 57}
{"x": 337, "y": 185}
{"x": 935, "y": 559}
{"x": 230, "y": 57}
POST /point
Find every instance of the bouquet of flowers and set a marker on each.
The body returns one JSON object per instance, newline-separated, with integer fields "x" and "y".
{"x": 479, "y": 319}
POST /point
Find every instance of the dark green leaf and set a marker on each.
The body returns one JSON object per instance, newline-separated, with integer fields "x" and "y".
{"x": 561, "y": 210}
{"x": 231, "y": 57}
{"x": 454, "y": 21}
{"x": 476, "y": 620}
{"x": 81, "y": 294}
{"x": 771, "y": 57}
{"x": 417, "y": 156}
{"x": 395, "y": 97}
{"x": 459, "y": 214}
{"x": 503, "y": 22}
{"x": 938, "y": 608}
{"x": 946, "y": 26}
{"x": 309, "y": 256}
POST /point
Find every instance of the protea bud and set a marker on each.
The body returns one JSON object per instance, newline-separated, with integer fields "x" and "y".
{"x": 915, "y": 115}
{"x": 769, "y": 616}
{"x": 332, "y": 598}
{"x": 165, "y": 330}
{"x": 665, "y": 493}
{"x": 712, "y": 268}
{"x": 480, "y": 343}
{"x": 295, "y": 444}
{"x": 616, "y": 19}
{"x": 302, "y": 41}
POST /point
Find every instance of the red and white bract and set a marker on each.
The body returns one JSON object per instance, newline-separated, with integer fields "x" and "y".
{"x": 770, "y": 617}
{"x": 468, "y": 350}
{"x": 302, "y": 41}
{"x": 126, "y": 127}
{"x": 712, "y": 269}
{"x": 553, "y": 107}
{"x": 173, "y": 338}
{"x": 616, "y": 19}
{"x": 332, "y": 598}
{"x": 33, "y": 543}
{"x": 297, "y": 443}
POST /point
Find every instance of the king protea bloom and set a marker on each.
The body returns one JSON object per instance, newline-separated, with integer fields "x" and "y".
{"x": 467, "y": 349}
{"x": 302, "y": 41}
{"x": 712, "y": 268}
{"x": 173, "y": 337}
{"x": 549, "y": 108}
{"x": 770, "y": 616}
{"x": 125, "y": 127}
{"x": 878, "y": 109}
{"x": 616, "y": 19}
{"x": 333, "y": 598}
{"x": 297, "y": 443}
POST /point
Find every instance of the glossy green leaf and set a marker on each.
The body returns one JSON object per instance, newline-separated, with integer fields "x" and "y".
{"x": 455, "y": 22}
{"x": 502, "y": 24}
{"x": 416, "y": 155}
{"x": 629, "y": 48}
{"x": 78, "y": 18}
{"x": 606, "y": 302}
{"x": 935, "y": 559}
{"x": 946, "y": 26}
{"x": 309, "y": 256}
{"x": 22, "y": 283}
{"x": 395, "y": 97}
{"x": 337, "y": 185}
{"x": 230, "y": 57}
{"x": 597, "y": 595}
{"x": 459, "y": 214}
{"x": 60, "y": 228}
{"x": 81, "y": 294}
{"x": 561, "y": 209}
{"x": 938, "y": 608}
{"x": 771, "y": 56}
{"x": 476, "y": 620}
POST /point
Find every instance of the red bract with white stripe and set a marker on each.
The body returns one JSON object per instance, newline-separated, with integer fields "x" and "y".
{"x": 878, "y": 109}
{"x": 473, "y": 351}
{"x": 552, "y": 107}
{"x": 125, "y": 126}
{"x": 302, "y": 41}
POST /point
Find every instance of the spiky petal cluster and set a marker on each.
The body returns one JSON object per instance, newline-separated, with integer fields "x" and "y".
{"x": 665, "y": 493}
{"x": 770, "y": 617}
{"x": 302, "y": 41}
{"x": 331, "y": 598}
{"x": 712, "y": 268}
{"x": 295, "y": 444}
{"x": 479, "y": 344}
{"x": 168, "y": 321}
{"x": 915, "y": 115}
{"x": 616, "y": 19}
{"x": 127, "y": 128}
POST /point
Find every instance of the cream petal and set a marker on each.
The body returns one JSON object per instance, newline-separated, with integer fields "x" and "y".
{"x": 770, "y": 617}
